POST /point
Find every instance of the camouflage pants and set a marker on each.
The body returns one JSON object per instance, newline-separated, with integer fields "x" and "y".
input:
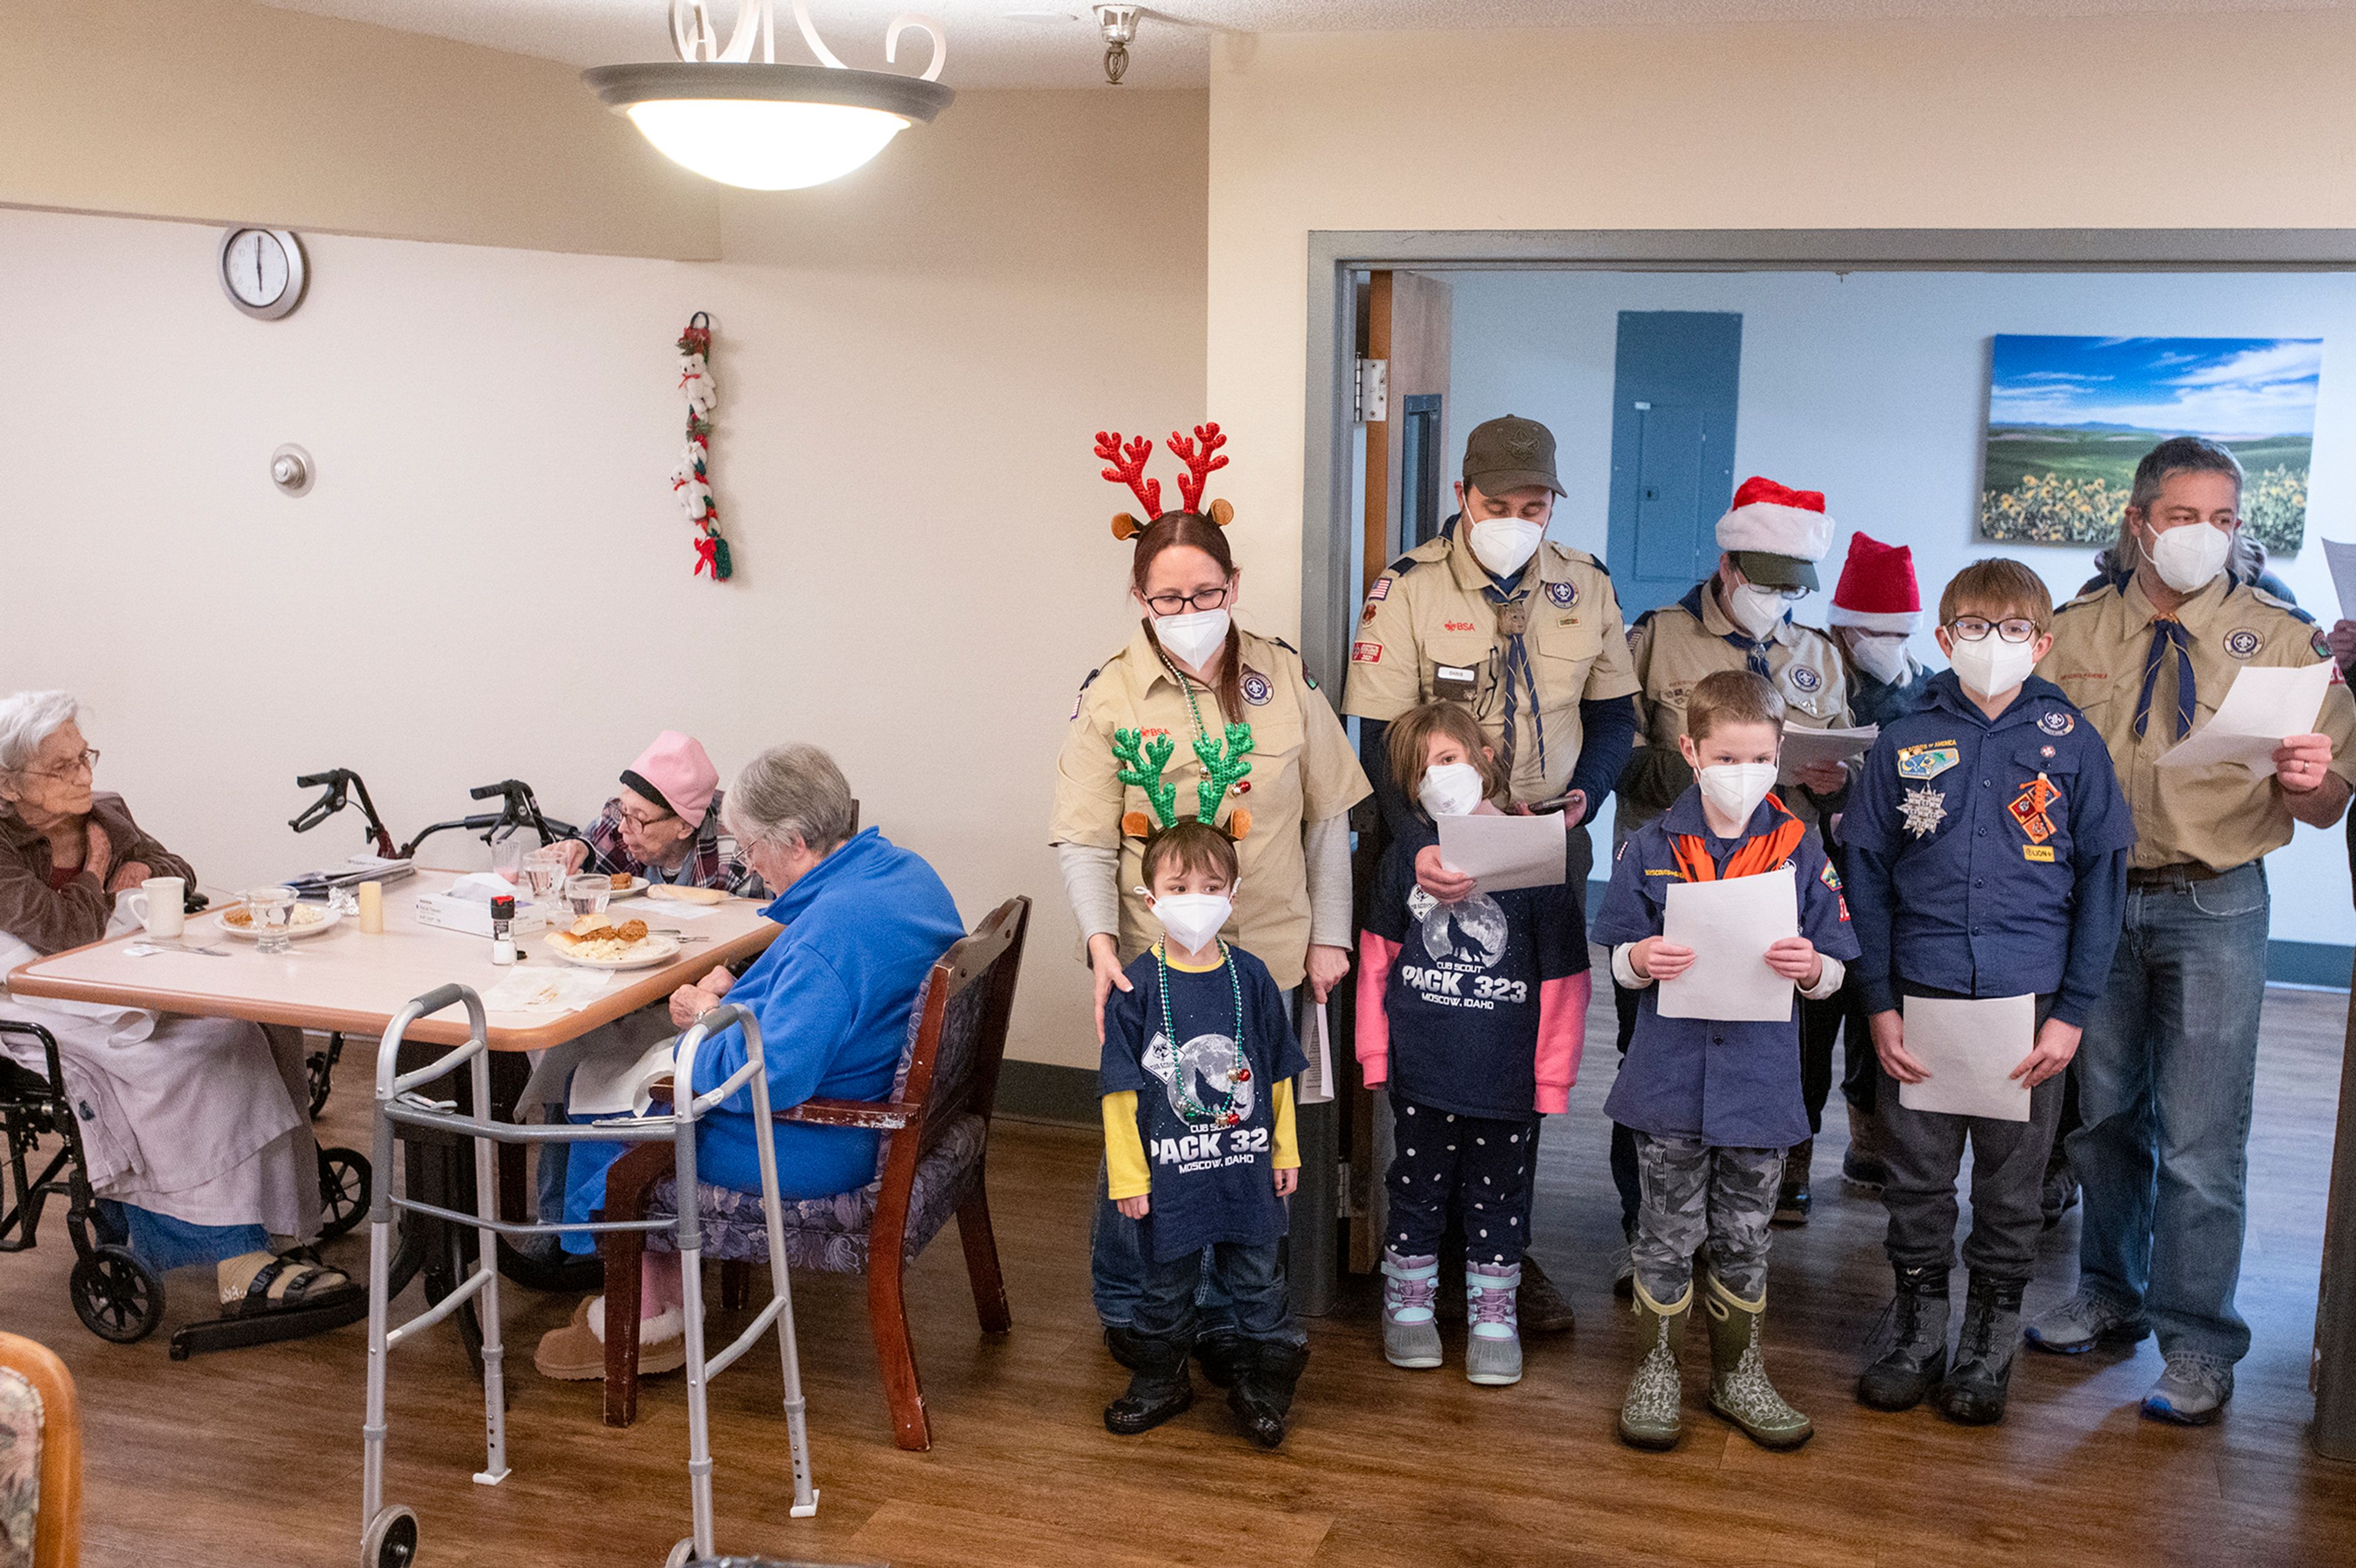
{"x": 1695, "y": 1199}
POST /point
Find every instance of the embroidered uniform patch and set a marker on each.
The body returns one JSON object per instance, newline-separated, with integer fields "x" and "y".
{"x": 1829, "y": 877}
{"x": 2322, "y": 646}
{"x": 1928, "y": 760}
{"x": 2056, "y": 722}
{"x": 1456, "y": 625}
{"x": 1368, "y": 618}
{"x": 1923, "y": 810}
{"x": 1563, "y": 594}
{"x": 1366, "y": 653}
{"x": 1379, "y": 591}
{"x": 2027, "y": 808}
{"x": 2046, "y": 751}
{"x": 2042, "y": 852}
{"x": 2244, "y": 643}
{"x": 1257, "y": 690}
{"x": 1804, "y": 677}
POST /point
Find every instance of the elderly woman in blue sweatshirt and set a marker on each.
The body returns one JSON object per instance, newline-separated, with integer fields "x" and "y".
{"x": 864, "y": 922}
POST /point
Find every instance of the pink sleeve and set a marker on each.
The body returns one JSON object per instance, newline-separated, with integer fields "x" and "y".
{"x": 1562, "y": 1031}
{"x": 1375, "y": 958}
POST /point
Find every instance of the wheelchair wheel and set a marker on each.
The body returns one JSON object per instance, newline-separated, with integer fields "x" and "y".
{"x": 117, "y": 1297}
{"x": 345, "y": 1185}
{"x": 391, "y": 1538}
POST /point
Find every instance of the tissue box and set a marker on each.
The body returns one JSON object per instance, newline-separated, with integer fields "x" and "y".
{"x": 473, "y": 916}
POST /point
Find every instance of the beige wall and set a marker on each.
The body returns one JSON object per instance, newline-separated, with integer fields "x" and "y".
{"x": 2225, "y": 121}
{"x": 224, "y": 111}
{"x": 490, "y": 577}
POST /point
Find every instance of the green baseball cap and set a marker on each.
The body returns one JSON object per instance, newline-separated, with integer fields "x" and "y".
{"x": 1510, "y": 453}
{"x": 1771, "y": 571}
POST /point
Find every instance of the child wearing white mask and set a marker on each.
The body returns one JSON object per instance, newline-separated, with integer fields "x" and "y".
{"x": 1199, "y": 1059}
{"x": 1473, "y": 1013}
{"x": 1714, "y": 1102}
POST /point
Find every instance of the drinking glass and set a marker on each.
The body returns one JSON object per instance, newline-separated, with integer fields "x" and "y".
{"x": 545, "y": 870}
{"x": 588, "y": 895}
{"x": 271, "y": 907}
{"x": 506, "y": 859}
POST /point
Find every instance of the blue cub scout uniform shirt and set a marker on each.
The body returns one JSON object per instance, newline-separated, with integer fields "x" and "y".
{"x": 1464, "y": 996}
{"x": 1987, "y": 856}
{"x": 1214, "y": 1179}
{"x": 1734, "y": 1085}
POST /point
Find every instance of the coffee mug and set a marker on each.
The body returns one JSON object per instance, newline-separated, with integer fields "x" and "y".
{"x": 161, "y": 905}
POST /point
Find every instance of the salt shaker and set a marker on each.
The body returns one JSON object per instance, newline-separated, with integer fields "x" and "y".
{"x": 503, "y": 929}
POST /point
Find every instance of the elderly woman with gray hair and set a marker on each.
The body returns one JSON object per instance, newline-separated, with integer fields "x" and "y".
{"x": 864, "y": 920}
{"x": 194, "y": 1129}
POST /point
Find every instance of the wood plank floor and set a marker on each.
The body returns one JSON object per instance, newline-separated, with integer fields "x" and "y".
{"x": 254, "y": 1456}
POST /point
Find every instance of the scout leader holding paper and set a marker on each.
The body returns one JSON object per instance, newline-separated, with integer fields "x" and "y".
{"x": 1987, "y": 851}
{"x": 2169, "y": 1060}
{"x": 1190, "y": 675}
{"x": 1713, "y": 1103}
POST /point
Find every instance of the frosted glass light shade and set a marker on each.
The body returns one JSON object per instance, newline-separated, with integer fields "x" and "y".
{"x": 764, "y": 144}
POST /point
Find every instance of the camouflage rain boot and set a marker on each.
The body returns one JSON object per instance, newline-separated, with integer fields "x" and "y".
{"x": 1649, "y": 1415}
{"x": 1493, "y": 1345}
{"x": 1738, "y": 1389}
{"x": 1411, "y": 1337}
{"x": 1904, "y": 1374}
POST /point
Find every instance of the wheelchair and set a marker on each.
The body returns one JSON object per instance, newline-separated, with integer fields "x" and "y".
{"x": 115, "y": 1293}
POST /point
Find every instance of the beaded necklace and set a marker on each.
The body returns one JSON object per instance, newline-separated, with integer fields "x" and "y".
{"x": 1185, "y": 687}
{"x": 1196, "y": 1113}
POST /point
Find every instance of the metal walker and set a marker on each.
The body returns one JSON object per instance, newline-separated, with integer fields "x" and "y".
{"x": 389, "y": 1533}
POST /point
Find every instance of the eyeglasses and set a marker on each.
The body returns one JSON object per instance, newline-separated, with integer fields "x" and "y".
{"x": 84, "y": 764}
{"x": 1975, "y": 628}
{"x": 1178, "y": 604}
{"x": 636, "y": 820}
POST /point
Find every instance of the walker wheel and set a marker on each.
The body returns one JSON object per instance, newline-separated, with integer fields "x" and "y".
{"x": 345, "y": 1185}
{"x": 117, "y": 1297}
{"x": 391, "y": 1538}
{"x": 683, "y": 1554}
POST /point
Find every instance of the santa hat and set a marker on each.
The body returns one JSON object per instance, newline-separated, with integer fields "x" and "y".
{"x": 1768, "y": 519}
{"x": 1877, "y": 592}
{"x": 675, "y": 771}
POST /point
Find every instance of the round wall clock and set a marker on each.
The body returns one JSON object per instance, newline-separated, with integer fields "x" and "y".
{"x": 262, "y": 270}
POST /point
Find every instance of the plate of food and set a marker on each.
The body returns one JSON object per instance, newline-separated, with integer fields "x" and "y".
{"x": 626, "y": 886}
{"x": 596, "y": 942}
{"x": 686, "y": 895}
{"x": 302, "y": 920}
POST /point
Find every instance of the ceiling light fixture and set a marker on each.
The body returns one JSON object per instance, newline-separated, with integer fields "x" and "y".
{"x": 1119, "y": 25}
{"x": 760, "y": 124}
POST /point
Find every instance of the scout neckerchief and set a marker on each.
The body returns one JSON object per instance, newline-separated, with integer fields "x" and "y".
{"x": 1760, "y": 852}
{"x": 1512, "y": 610}
{"x": 2167, "y": 631}
{"x": 1754, "y": 652}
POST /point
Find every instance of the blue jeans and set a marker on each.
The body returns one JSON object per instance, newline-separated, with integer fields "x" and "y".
{"x": 2166, "y": 1074}
{"x": 1117, "y": 1268}
{"x": 1250, "y": 1280}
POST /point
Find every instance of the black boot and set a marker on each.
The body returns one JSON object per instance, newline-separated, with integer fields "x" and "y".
{"x": 1222, "y": 1356}
{"x": 1917, "y": 1357}
{"x": 1974, "y": 1394}
{"x": 1262, "y": 1396}
{"x": 1792, "y": 1199}
{"x": 1159, "y": 1389}
{"x": 1122, "y": 1340}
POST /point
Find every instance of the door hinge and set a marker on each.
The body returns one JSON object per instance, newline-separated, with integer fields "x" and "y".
{"x": 1371, "y": 391}
{"x": 1342, "y": 1207}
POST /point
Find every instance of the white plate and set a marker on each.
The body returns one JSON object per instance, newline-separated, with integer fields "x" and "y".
{"x": 324, "y": 923}
{"x": 650, "y": 952}
{"x": 637, "y": 885}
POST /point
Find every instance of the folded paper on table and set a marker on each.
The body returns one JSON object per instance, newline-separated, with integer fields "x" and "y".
{"x": 2261, "y": 707}
{"x": 531, "y": 988}
{"x": 1729, "y": 924}
{"x": 1505, "y": 852}
{"x": 663, "y": 910}
{"x": 2342, "y": 557}
{"x": 1803, "y": 747}
{"x": 618, "y": 1085}
{"x": 1969, "y": 1046}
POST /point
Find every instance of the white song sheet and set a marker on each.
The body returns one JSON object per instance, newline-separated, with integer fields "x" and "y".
{"x": 1802, "y": 747}
{"x": 1729, "y": 924}
{"x": 1969, "y": 1047}
{"x": 1502, "y": 852}
{"x": 1316, "y": 1086}
{"x": 2342, "y": 557}
{"x": 2261, "y": 707}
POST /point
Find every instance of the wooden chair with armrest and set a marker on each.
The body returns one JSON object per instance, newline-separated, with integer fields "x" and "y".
{"x": 43, "y": 1445}
{"x": 936, "y": 1128}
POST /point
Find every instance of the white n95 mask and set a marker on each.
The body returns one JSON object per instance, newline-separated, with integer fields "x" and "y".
{"x": 1755, "y": 609}
{"x": 1735, "y": 789}
{"x": 1881, "y": 657}
{"x": 1194, "y": 636}
{"x": 1992, "y": 666}
{"x": 1505, "y": 544}
{"x": 1451, "y": 789}
{"x": 2190, "y": 556}
{"x": 1193, "y": 920}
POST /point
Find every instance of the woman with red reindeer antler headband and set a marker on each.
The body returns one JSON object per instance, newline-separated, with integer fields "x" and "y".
{"x": 1190, "y": 675}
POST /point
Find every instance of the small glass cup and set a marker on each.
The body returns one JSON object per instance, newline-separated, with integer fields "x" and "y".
{"x": 588, "y": 895}
{"x": 271, "y": 909}
{"x": 545, "y": 870}
{"x": 506, "y": 859}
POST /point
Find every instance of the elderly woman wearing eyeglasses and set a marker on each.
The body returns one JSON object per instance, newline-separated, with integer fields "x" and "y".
{"x": 665, "y": 825}
{"x": 193, "y": 1128}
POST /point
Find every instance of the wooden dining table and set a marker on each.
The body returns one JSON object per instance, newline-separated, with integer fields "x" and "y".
{"x": 348, "y": 982}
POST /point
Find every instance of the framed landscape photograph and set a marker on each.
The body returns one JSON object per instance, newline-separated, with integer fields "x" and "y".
{"x": 2070, "y": 417}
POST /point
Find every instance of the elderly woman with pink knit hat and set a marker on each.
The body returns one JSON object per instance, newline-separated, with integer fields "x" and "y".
{"x": 665, "y": 825}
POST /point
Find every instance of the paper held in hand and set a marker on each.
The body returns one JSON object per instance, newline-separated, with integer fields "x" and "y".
{"x": 2342, "y": 557}
{"x": 1730, "y": 925}
{"x": 1803, "y": 747}
{"x": 1502, "y": 852}
{"x": 2261, "y": 707}
{"x": 1969, "y": 1047}
{"x": 1316, "y": 1085}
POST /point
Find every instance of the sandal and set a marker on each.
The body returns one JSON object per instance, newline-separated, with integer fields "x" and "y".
{"x": 261, "y": 1282}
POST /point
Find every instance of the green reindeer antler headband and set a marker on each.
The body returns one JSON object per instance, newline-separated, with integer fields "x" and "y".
{"x": 1144, "y": 758}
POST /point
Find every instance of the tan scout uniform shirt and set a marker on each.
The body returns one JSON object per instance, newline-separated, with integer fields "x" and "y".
{"x": 2220, "y": 816}
{"x": 1302, "y": 772}
{"x": 1428, "y": 614}
{"x": 1672, "y": 650}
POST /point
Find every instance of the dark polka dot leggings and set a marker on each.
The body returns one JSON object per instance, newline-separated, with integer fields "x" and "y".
{"x": 1478, "y": 1168}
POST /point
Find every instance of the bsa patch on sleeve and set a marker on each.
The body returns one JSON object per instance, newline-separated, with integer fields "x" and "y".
{"x": 2322, "y": 646}
{"x": 2056, "y": 722}
{"x": 1366, "y": 653}
{"x": 1804, "y": 678}
{"x": 1829, "y": 877}
{"x": 1379, "y": 591}
{"x": 2243, "y": 642}
{"x": 1563, "y": 594}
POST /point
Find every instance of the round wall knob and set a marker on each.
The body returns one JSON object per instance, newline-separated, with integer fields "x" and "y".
{"x": 291, "y": 470}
